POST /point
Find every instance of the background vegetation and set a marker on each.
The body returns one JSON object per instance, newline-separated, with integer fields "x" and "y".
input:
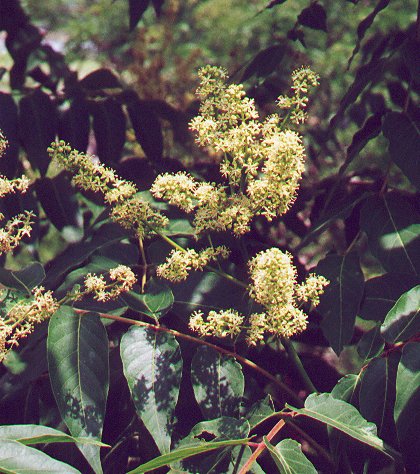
{"x": 117, "y": 79}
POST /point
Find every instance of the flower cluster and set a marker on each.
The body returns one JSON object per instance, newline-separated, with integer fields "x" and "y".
{"x": 273, "y": 286}
{"x": 273, "y": 277}
{"x": 19, "y": 226}
{"x": 227, "y": 323}
{"x": 181, "y": 262}
{"x": 303, "y": 79}
{"x": 122, "y": 279}
{"x": 263, "y": 160}
{"x": 127, "y": 208}
{"x": 214, "y": 209}
{"x": 14, "y": 230}
{"x": 23, "y": 316}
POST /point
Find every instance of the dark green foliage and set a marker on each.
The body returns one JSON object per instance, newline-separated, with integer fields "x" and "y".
{"x": 204, "y": 405}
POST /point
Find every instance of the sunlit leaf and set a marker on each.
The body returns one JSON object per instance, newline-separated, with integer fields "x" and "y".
{"x": 37, "y": 434}
{"x": 345, "y": 388}
{"x": 153, "y": 367}
{"x": 406, "y": 410}
{"x": 79, "y": 374}
{"x": 156, "y": 300}
{"x": 342, "y": 416}
{"x": 218, "y": 383}
{"x": 392, "y": 225}
{"x": 16, "y": 458}
{"x": 289, "y": 458}
{"x": 185, "y": 452}
{"x": 260, "y": 411}
{"x": 403, "y": 319}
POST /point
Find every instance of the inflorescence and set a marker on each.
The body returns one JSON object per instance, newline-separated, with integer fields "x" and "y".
{"x": 263, "y": 161}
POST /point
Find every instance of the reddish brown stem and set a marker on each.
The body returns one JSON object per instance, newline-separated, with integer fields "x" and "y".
{"x": 221, "y": 350}
{"x": 261, "y": 447}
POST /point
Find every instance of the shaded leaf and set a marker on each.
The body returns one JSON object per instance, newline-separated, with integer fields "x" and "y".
{"x": 9, "y": 162}
{"x": 37, "y": 434}
{"x": 371, "y": 344}
{"x": 381, "y": 293}
{"x": 273, "y": 3}
{"x": 16, "y": 458}
{"x": 340, "y": 302}
{"x": 185, "y": 452}
{"x": 74, "y": 124}
{"x": 74, "y": 255}
{"x": 404, "y": 144}
{"x": 100, "y": 79}
{"x": 371, "y": 129}
{"x": 136, "y": 10}
{"x": 392, "y": 225}
{"x": 109, "y": 128}
{"x": 218, "y": 383}
{"x": 406, "y": 410}
{"x": 265, "y": 62}
{"x": 289, "y": 458}
{"x": 365, "y": 24}
{"x": 58, "y": 200}
{"x": 410, "y": 51}
{"x": 339, "y": 209}
{"x": 23, "y": 280}
{"x": 403, "y": 321}
{"x": 342, "y": 416}
{"x": 24, "y": 366}
{"x": 377, "y": 394}
{"x": 38, "y": 121}
{"x": 153, "y": 366}
{"x": 314, "y": 17}
{"x": 79, "y": 375}
{"x": 367, "y": 73}
{"x": 147, "y": 127}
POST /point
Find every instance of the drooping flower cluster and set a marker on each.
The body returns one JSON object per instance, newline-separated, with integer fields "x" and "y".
{"x": 122, "y": 279}
{"x": 126, "y": 207}
{"x": 21, "y": 319}
{"x": 181, "y": 262}
{"x": 263, "y": 160}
